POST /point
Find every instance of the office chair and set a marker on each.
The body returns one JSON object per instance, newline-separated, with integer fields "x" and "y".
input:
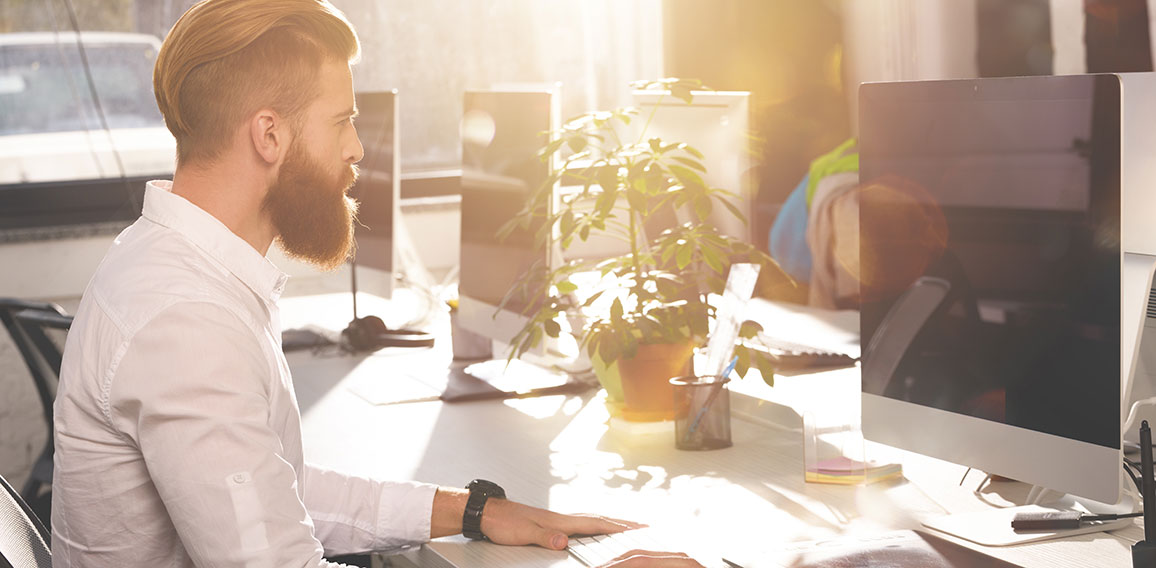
{"x": 898, "y": 329}
{"x": 24, "y": 542}
{"x": 27, "y": 323}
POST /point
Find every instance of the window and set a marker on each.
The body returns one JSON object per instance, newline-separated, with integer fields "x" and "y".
{"x": 432, "y": 52}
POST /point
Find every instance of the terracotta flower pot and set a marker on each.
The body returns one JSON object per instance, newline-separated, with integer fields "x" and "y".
{"x": 646, "y": 389}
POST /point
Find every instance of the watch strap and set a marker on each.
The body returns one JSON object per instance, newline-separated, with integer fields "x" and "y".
{"x": 480, "y": 492}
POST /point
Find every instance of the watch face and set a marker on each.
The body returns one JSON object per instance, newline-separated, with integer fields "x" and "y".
{"x": 489, "y": 488}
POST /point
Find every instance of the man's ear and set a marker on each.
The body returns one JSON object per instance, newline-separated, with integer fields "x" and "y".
{"x": 269, "y": 133}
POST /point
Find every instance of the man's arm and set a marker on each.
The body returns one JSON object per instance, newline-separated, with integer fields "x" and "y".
{"x": 507, "y": 522}
{"x": 353, "y": 514}
{"x": 193, "y": 393}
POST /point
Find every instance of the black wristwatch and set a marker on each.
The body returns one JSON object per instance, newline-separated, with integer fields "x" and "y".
{"x": 480, "y": 492}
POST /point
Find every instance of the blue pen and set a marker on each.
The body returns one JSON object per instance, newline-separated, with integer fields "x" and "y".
{"x": 710, "y": 399}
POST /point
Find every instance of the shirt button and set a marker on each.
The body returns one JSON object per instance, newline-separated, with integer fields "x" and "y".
{"x": 239, "y": 478}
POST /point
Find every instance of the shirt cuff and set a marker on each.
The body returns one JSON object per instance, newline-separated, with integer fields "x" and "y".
{"x": 403, "y": 515}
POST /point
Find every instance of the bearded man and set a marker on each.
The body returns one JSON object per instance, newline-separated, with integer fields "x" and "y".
{"x": 178, "y": 436}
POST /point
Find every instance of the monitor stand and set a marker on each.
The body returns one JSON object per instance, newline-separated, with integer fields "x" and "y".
{"x": 993, "y": 528}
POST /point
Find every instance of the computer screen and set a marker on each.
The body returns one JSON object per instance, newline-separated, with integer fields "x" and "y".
{"x": 717, "y": 123}
{"x": 989, "y": 266}
{"x": 377, "y": 190}
{"x": 502, "y": 132}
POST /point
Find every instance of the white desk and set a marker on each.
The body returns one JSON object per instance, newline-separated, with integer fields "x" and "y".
{"x": 558, "y": 452}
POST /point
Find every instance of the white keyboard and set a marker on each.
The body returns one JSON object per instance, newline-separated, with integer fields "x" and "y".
{"x": 599, "y": 549}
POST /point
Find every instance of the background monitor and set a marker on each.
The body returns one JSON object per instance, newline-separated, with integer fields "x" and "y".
{"x": 378, "y": 191}
{"x": 502, "y": 132}
{"x": 717, "y": 123}
{"x": 990, "y": 262}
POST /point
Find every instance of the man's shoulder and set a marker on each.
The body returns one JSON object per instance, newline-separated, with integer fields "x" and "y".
{"x": 151, "y": 268}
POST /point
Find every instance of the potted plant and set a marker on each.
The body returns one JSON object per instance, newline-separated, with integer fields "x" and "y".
{"x": 651, "y": 306}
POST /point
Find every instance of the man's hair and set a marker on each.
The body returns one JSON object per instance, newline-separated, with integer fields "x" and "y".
{"x": 226, "y": 59}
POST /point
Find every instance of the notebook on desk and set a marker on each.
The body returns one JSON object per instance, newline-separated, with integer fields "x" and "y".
{"x": 896, "y": 549}
{"x": 805, "y": 338}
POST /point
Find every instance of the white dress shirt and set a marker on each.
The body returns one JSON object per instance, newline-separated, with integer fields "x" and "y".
{"x": 178, "y": 437}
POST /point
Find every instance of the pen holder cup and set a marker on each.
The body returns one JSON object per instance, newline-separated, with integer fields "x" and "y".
{"x": 702, "y": 413}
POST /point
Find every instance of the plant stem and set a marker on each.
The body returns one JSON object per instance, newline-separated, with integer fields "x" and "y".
{"x": 634, "y": 256}
{"x": 654, "y": 111}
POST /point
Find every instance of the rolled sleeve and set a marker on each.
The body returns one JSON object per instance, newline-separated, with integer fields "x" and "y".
{"x": 356, "y": 514}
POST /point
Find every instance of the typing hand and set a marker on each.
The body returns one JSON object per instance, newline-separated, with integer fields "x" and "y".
{"x": 652, "y": 559}
{"x": 507, "y": 522}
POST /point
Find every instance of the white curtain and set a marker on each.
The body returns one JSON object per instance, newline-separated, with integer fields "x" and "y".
{"x": 892, "y": 40}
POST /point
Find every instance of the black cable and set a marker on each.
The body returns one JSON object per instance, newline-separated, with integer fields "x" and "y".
{"x": 96, "y": 101}
{"x": 72, "y": 91}
{"x": 1109, "y": 517}
{"x": 1135, "y": 479}
{"x": 1133, "y": 470}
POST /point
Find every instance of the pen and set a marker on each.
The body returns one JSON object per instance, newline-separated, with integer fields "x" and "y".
{"x": 1146, "y": 484}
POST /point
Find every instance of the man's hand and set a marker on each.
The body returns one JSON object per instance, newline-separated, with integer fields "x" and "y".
{"x": 507, "y": 522}
{"x": 652, "y": 559}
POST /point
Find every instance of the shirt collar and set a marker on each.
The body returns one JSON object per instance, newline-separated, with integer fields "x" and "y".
{"x": 163, "y": 207}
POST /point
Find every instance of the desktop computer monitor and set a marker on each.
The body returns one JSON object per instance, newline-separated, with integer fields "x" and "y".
{"x": 717, "y": 123}
{"x": 990, "y": 262}
{"x": 377, "y": 191}
{"x": 502, "y": 132}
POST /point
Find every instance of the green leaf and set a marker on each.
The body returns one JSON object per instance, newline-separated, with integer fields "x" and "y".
{"x": 734, "y": 210}
{"x": 553, "y": 329}
{"x": 549, "y": 149}
{"x": 749, "y": 329}
{"x": 566, "y": 287}
{"x": 713, "y": 260}
{"x": 702, "y": 207}
{"x": 766, "y": 368}
{"x": 695, "y": 164}
{"x": 693, "y": 151}
{"x": 668, "y": 287}
{"x": 576, "y": 143}
{"x": 607, "y": 178}
{"x": 744, "y": 362}
{"x": 682, "y": 92}
{"x": 687, "y": 176}
{"x": 593, "y": 298}
{"x": 685, "y": 250}
{"x": 637, "y": 200}
{"x": 616, "y": 310}
{"x": 605, "y": 204}
{"x": 567, "y": 224}
{"x": 609, "y": 348}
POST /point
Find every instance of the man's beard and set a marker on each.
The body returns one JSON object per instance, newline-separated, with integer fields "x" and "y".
{"x": 311, "y": 212}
